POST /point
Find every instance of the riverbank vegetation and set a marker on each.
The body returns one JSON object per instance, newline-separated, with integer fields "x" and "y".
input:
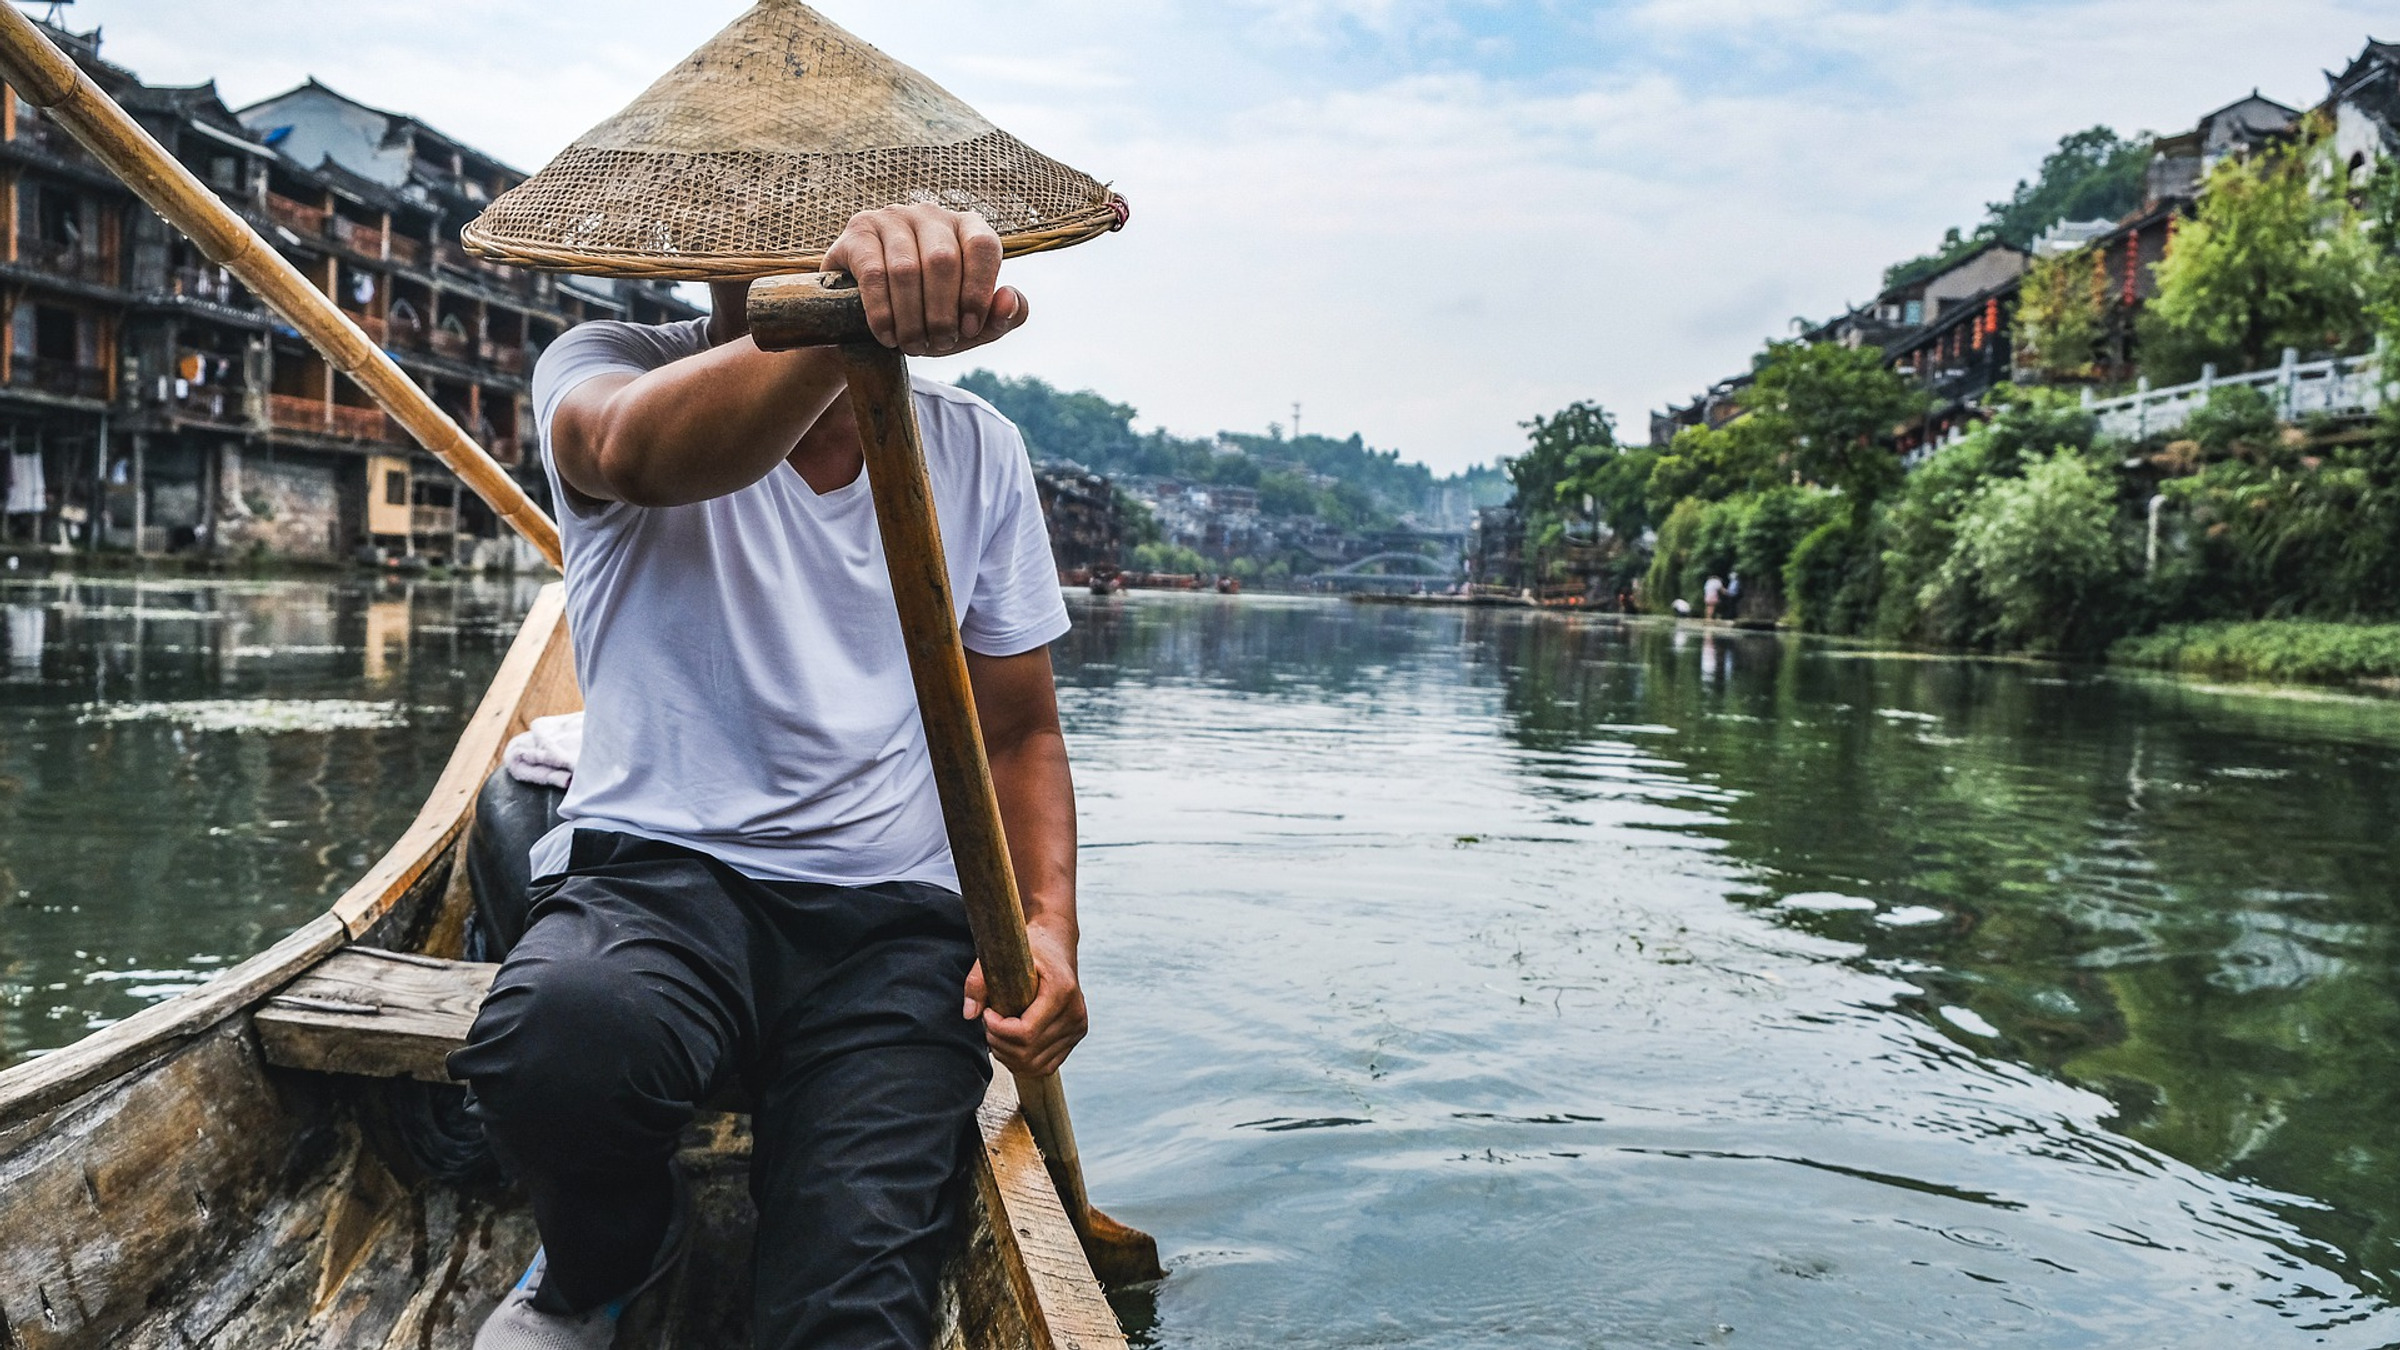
{"x": 2272, "y": 649}
{"x": 2242, "y": 545}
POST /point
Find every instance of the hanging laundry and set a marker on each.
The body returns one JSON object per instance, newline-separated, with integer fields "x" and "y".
{"x": 28, "y": 494}
{"x": 362, "y": 289}
{"x": 27, "y": 626}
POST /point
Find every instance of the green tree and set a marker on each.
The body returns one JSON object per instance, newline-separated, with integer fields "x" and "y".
{"x": 1282, "y": 492}
{"x": 2062, "y": 314}
{"x": 2275, "y": 530}
{"x": 2273, "y": 259}
{"x": 1673, "y": 559}
{"x": 2380, "y": 220}
{"x": 1713, "y": 463}
{"x": 2092, "y": 175}
{"x": 1550, "y": 458}
{"x": 2042, "y": 556}
{"x": 1917, "y": 532}
{"x": 1616, "y": 480}
{"x": 1551, "y": 443}
{"x": 1832, "y": 409}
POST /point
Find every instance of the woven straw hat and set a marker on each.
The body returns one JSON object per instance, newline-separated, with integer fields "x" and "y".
{"x": 747, "y": 159}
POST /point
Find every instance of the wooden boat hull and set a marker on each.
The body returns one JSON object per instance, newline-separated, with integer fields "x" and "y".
{"x": 164, "y": 1183}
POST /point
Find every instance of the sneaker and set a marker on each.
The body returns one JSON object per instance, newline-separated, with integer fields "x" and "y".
{"x": 518, "y": 1325}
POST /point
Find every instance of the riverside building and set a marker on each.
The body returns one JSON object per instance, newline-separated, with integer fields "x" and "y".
{"x": 149, "y": 404}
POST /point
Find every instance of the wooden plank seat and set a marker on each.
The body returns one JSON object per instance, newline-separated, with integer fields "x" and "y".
{"x": 380, "y": 1014}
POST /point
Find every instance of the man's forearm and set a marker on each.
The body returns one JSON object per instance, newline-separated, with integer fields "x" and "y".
{"x": 1036, "y": 789}
{"x": 710, "y": 424}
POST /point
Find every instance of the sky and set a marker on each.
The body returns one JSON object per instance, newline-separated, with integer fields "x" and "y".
{"x": 1424, "y": 221}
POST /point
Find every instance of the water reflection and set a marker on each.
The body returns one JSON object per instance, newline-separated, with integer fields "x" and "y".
{"x": 190, "y": 769}
{"x": 1449, "y": 994}
{"x": 2179, "y": 898}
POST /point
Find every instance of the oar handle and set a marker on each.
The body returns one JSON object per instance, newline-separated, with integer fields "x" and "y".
{"x": 813, "y": 309}
{"x": 48, "y": 79}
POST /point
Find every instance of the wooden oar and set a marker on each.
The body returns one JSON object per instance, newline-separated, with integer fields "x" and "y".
{"x": 815, "y": 311}
{"x": 47, "y": 78}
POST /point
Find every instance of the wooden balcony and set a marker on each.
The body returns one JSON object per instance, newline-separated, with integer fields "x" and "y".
{"x": 456, "y": 346}
{"x": 377, "y": 331}
{"x": 306, "y": 221}
{"x": 498, "y": 276}
{"x": 293, "y": 413}
{"x": 433, "y": 520}
{"x": 62, "y": 259}
{"x": 361, "y": 424}
{"x": 508, "y": 356}
{"x": 407, "y": 250}
{"x": 53, "y": 376}
{"x": 367, "y": 239}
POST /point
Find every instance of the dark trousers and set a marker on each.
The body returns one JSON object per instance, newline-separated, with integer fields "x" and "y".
{"x": 650, "y": 977}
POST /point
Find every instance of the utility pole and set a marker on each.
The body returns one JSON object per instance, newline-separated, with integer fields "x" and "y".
{"x": 1295, "y": 419}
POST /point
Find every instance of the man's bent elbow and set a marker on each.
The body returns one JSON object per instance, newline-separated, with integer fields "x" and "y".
{"x": 632, "y": 476}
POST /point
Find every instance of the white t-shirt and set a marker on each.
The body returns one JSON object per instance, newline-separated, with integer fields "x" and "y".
{"x": 745, "y": 687}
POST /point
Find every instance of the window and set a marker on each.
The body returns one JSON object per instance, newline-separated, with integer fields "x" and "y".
{"x": 54, "y": 337}
{"x": 59, "y": 223}
{"x": 1913, "y": 313}
{"x": 395, "y": 488}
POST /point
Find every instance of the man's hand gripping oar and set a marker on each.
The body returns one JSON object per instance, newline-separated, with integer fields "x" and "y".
{"x": 828, "y": 310}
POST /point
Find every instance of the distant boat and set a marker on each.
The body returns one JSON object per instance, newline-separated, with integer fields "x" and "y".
{"x": 276, "y": 1159}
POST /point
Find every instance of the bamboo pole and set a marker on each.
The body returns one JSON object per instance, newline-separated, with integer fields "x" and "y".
{"x": 47, "y": 78}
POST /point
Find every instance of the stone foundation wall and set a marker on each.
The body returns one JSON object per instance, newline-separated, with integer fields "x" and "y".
{"x": 290, "y": 509}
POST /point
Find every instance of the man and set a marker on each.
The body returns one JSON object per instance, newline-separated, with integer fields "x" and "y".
{"x": 751, "y": 884}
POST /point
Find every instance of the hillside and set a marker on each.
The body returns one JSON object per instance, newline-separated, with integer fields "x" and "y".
{"x": 1346, "y": 481}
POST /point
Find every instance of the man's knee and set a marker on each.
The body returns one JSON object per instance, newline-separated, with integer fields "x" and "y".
{"x": 575, "y": 1052}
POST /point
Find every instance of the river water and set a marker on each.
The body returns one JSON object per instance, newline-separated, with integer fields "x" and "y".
{"x": 1489, "y": 979}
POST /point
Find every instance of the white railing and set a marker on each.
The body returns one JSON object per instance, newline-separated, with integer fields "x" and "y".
{"x": 2297, "y": 389}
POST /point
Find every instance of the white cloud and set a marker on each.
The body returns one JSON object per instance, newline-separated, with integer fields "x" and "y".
{"x": 1338, "y": 201}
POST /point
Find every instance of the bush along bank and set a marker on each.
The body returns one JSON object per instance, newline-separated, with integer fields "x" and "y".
{"x": 2269, "y": 649}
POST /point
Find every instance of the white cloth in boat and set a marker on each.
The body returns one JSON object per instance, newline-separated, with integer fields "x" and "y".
{"x": 746, "y": 689}
{"x": 544, "y": 753}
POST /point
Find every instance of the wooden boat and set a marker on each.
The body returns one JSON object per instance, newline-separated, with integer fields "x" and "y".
{"x": 271, "y": 1159}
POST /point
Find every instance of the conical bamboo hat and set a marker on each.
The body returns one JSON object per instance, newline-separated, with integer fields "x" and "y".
{"x": 748, "y": 158}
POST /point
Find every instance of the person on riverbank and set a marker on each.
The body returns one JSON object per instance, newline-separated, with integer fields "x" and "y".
{"x": 1712, "y": 594}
